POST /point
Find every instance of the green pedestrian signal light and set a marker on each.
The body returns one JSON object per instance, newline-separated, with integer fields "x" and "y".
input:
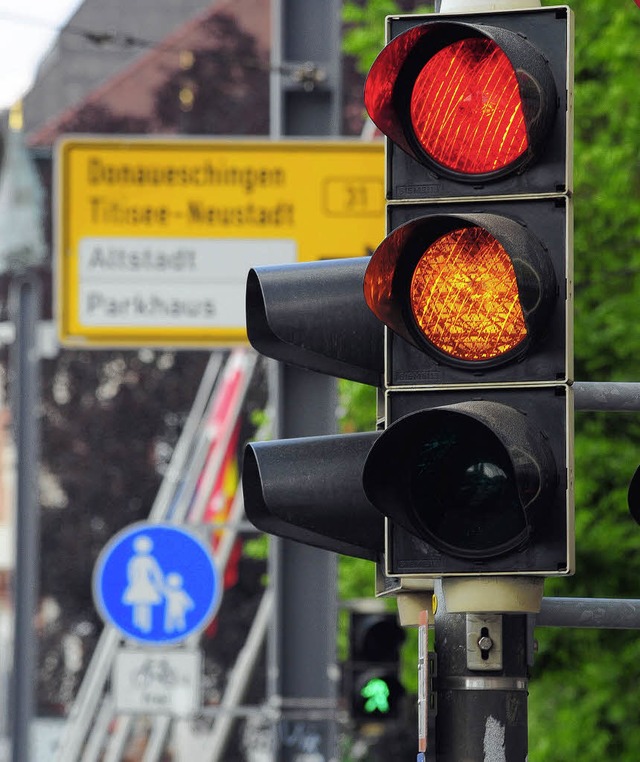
{"x": 376, "y": 694}
{"x": 371, "y": 673}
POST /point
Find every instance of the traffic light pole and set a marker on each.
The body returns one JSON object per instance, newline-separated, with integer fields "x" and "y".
{"x": 586, "y": 613}
{"x": 483, "y": 660}
{"x": 305, "y": 101}
{"x": 303, "y": 689}
{"x": 481, "y": 712}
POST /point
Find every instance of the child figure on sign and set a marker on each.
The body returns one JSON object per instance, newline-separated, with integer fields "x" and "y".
{"x": 177, "y": 603}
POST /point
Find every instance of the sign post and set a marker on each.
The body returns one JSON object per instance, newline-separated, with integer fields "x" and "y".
{"x": 21, "y": 249}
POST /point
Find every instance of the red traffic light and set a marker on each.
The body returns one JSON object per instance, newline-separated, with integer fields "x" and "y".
{"x": 472, "y": 290}
{"x": 470, "y": 101}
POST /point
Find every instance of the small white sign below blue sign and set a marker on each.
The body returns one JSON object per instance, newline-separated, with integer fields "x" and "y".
{"x": 156, "y": 583}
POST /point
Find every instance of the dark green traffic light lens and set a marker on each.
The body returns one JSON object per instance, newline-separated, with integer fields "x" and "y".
{"x": 463, "y": 490}
{"x": 465, "y": 483}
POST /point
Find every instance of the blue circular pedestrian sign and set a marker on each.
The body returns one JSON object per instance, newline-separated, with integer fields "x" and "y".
{"x": 156, "y": 583}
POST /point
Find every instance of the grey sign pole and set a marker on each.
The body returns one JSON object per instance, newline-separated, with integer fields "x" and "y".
{"x": 21, "y": 248}
{"x": 305, "y": 101}
{"x": 25, "y": 310}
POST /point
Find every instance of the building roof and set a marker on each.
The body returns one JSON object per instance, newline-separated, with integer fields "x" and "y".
{"x": 129, "y": 101}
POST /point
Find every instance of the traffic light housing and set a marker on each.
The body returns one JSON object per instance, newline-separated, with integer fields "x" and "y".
{"x": 310, "y": 489}
{"x": 474, "y": 482}
{"x": 313, "y": 315}
{"x": 473, "y": 471}
{"x": 462, "y": 317}
{"x": 372, "y": 671}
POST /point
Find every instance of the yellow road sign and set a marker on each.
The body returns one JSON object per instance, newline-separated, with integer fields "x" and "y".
{"x": 155, "y": 237}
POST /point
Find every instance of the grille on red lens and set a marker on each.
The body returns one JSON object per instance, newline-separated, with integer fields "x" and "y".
{"x": 466, "y": 108}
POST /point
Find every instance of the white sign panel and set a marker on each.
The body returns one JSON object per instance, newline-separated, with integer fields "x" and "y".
{"x": 157, "y": 682}
{"x": 145, "y": 282}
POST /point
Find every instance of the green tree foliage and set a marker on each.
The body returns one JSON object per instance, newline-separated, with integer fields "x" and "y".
{"x": 584, "y": 692}
{"x": 365, "y": 35}
{"x": 607, "y": 189}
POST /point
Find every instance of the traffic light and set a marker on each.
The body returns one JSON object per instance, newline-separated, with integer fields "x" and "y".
{"x": 477, "y": 294}
{"x": 313, "y": 315}
{"x": 462, "y": 317}
{"x": 474, "y": 482}
{"x": 474, "y": 282}
{"x": 475, "y": 104}
{"x": 371, "y": 673}
{"x": 310, "y": 490}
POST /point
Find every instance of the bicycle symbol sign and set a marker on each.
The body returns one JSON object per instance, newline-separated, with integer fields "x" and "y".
{"x": 156, "y": 583}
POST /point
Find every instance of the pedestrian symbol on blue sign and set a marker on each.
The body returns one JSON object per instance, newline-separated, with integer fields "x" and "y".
{"x": 156, "y": 583}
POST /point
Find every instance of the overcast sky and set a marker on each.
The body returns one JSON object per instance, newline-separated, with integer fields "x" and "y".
{"x": 27, "y": 30}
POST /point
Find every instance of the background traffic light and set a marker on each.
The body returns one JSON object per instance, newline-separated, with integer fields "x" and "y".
{"x": 372, "y": 672}
{"x": 474, "y": 282}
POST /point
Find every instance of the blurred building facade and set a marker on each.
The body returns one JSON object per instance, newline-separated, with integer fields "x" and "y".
{"x": 99, "y": 40}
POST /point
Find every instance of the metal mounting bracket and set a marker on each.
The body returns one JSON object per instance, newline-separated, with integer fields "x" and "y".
{"x": 484, "y": 642}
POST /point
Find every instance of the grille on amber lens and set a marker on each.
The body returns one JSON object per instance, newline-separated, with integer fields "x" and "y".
{"x": 466, "y": 109}
{"x": 464, "y": 296}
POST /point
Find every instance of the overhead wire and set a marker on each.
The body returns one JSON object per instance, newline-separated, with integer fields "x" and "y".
{"x": 124, "y": 41}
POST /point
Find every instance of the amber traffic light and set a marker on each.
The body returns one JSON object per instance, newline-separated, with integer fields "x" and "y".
{"x": 473, "y": 291}
{"x": 466, "y": 266}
